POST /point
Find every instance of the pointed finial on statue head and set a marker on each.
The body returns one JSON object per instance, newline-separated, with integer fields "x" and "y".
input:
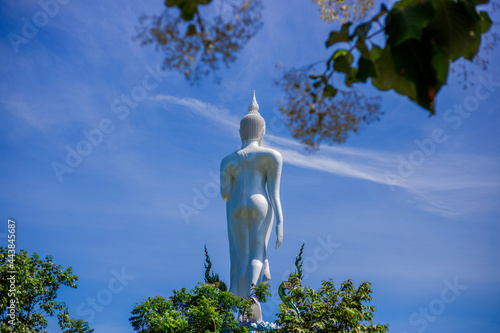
{"x": 253, "y": 107}
{"x": 252, "y": 125}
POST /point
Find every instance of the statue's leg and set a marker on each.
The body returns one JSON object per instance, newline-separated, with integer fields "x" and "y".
{"x": 239, "y": 273}
{"x": 256, "y": 312}
{"x": 260, "y": 224}
{"x": 259, "y": 266}
{"x": 233, "y": 283}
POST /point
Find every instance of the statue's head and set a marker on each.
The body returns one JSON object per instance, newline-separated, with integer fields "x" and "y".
{"x": 252, "y": 126}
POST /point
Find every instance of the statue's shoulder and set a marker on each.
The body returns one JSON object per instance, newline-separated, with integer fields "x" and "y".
{"x": 272, "y": 154}
{"x": 230, "y": 158}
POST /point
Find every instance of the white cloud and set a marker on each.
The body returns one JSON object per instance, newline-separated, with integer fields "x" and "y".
{"x": 445, "y": 184}
{"x": 218, "y": 115}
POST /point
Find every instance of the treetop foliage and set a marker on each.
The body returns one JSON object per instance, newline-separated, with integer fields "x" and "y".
{"x": 36, "y": 284}
{"x": 205, "y": 308}
{"x": 329, "y": 309}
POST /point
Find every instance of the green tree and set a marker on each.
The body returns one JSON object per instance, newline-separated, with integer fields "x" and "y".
{"x": 205, "y": 308}
{"x": 329, "y": 309}
{"x": 409, "y": 48}
{"x": 157, "y": 315}
{"x": 31, "y": 284}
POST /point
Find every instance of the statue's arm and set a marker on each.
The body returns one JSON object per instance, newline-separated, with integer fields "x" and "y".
{"x": 273, "y": 188}
{"x": 225, "y": 181}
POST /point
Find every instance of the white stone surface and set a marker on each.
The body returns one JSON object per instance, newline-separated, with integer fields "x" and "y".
{"x": 250, "y": 185}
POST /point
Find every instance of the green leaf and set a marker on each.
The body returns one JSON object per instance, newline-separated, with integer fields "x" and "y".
{"x": 408, "y": 69}
{"x": 342, "y": 61}
{"x": 188, "y": 10}
{"x": 329, "y": 91}
{"x": 340, "y": 56}
{"x": 366, "y": 69}
{"x": 440, "y": 62}
{"x": 388, "y": 78}
{"x": 339, "y": 36}
{"x": 340, "y": 53}
{"x": 401, "y": 4}
{"x": 376, "y": 52}
{"x": 455, "y": 30}
{"x": 408, "y": 23}
{"x": 485, "y": 22}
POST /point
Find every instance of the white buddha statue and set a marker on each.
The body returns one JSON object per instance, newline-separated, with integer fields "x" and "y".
{"x": 250, "y": 185}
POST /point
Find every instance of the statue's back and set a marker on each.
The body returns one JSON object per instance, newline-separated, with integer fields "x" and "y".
{"x": 250, "y": 174}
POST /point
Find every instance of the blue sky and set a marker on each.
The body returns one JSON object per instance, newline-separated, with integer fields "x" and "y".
{"x": 411, "y": 204}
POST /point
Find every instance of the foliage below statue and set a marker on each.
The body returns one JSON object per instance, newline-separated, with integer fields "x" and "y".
{"x": 204, "y": 309}
{"x": 207, "y": 308}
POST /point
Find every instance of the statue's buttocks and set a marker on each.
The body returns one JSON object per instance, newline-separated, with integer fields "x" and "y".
{"x": 250, "y": 199}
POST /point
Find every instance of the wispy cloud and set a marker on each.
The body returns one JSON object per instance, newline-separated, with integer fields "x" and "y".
{"x": 218, "y": 115}
{"x": 453, "y": 184}
{"x": 362, "y": 164}
{"x": 443, "y": 185}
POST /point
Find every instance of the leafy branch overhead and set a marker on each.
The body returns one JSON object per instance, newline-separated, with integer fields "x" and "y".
{"x": 196, "y": 46}
{"x": 409, "y": 49}
{"x": 421, "y": 40}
